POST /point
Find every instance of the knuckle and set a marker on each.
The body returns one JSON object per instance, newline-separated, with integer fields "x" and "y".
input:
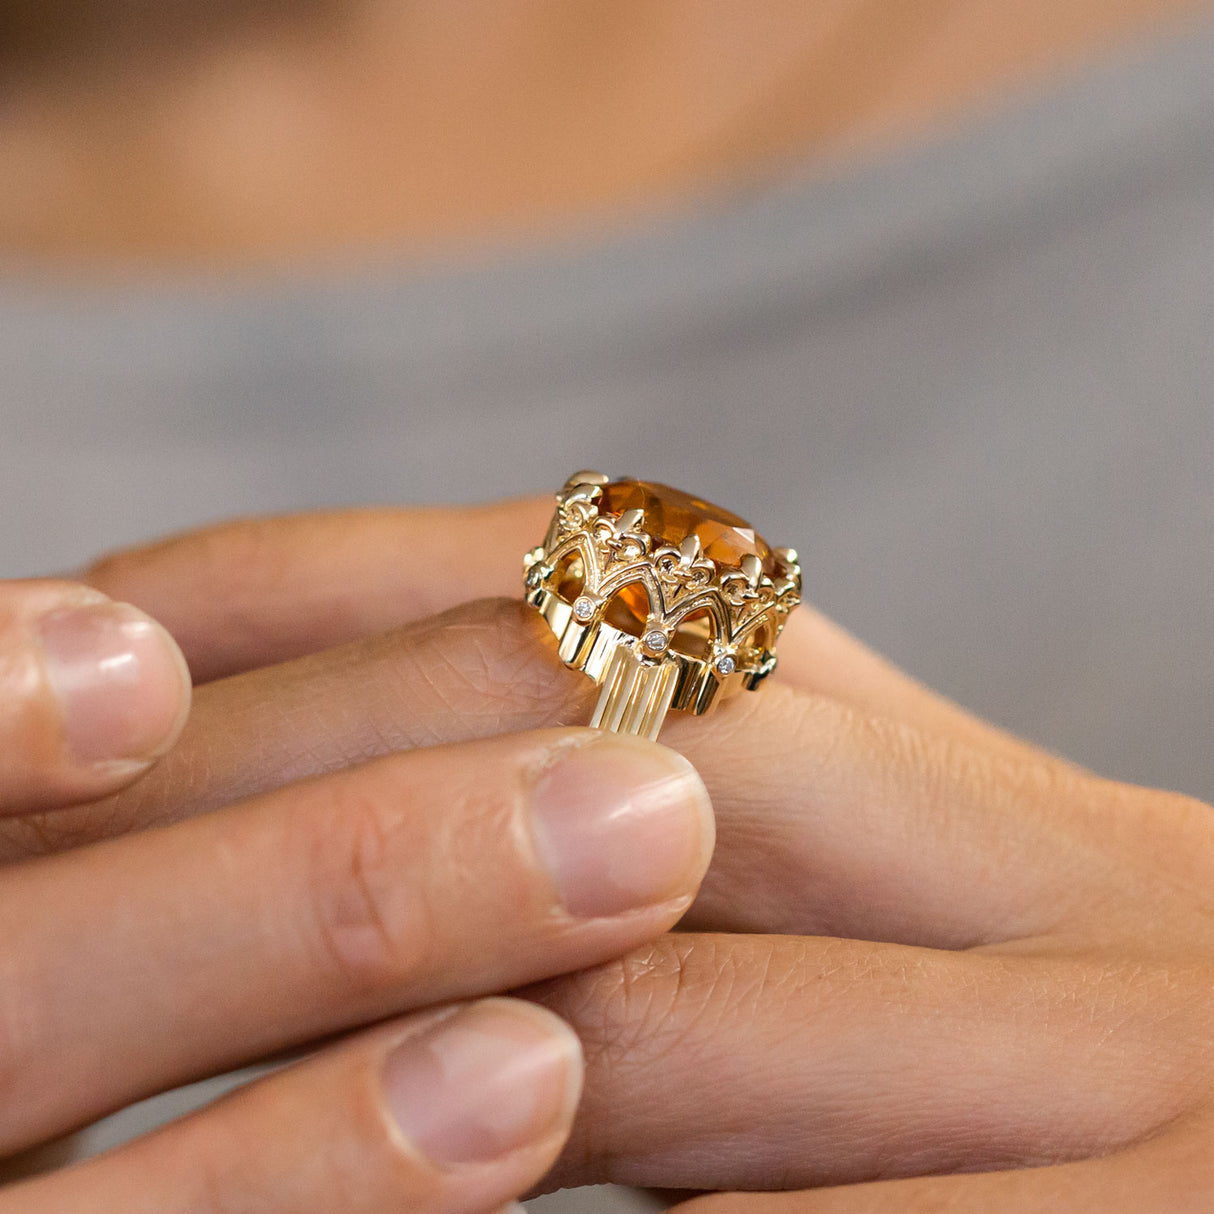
{"x": 673, "y": 994}
{"x": 662, "y": 1009}
{"x": 370, "y": 927}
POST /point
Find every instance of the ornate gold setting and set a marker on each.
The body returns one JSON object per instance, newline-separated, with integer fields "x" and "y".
{"x": 658, "y": 624}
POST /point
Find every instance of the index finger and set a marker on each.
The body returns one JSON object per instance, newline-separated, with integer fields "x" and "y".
{"x": 256, "y": 591}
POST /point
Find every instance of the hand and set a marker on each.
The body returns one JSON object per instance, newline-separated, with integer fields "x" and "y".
{"x": 401, "y": 884}
{"x": 973, "y": 955}
{"x": 310, "y": 665}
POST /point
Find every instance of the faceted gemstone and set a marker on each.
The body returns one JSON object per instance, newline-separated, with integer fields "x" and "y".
{"x": 671, "y": 516}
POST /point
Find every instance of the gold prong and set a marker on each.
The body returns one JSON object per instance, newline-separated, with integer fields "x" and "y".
{"x": 586, "y": 478}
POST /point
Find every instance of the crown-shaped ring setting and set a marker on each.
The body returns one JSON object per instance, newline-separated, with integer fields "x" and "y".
{"x": 664, "y": 599}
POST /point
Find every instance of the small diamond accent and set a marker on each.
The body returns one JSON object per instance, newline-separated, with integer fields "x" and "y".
{"x": 583, "y": 609}
{"x": 656, "y": 642}
{"x": 726, "y": 664}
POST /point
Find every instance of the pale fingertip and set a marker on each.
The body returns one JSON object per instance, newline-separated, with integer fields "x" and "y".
{"x": 121, "y": 684}
{"x": 490, "y": 1079}
{"x": 621, "y": 824}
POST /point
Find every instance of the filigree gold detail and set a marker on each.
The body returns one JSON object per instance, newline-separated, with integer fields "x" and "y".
{"x": 684, "y": 565}
{"x": 714, "y": 624}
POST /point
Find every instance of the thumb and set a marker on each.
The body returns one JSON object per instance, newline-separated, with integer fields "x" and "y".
{"x": 92, "y": 692}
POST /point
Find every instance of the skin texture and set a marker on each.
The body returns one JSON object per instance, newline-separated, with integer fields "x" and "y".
{"x": 929, "y": 968}
{"x": 235, "y": 1155}
{"x": 279, "y": 921}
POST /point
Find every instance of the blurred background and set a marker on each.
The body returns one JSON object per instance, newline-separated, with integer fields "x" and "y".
{"x": 922, "y": 288}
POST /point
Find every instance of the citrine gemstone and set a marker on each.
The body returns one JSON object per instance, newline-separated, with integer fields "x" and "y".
{"x": 671, "y": 515}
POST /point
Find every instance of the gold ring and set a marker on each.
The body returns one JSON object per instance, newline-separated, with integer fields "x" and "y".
{"x": 665, "y": 600}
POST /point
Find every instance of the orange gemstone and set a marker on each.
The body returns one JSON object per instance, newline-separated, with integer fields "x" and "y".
{"x": 671, "y": 516}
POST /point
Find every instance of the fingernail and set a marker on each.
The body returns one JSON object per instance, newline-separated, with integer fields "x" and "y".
{"x": 621, "y": 823}
{"x": 494, "y": 1077}
{"x": 121, "y": 682}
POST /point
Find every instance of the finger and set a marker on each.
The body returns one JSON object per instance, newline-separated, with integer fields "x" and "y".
{"x": 92, "y": 692}
{"x": 422, "y": 877}
{"x": 483, "y": 669}
{"x": 831, "y": 821}
{"x": 819, "y": 656}
{"x": 453, "y": 1113}
{"x": 720, "y": 1062}
{"x": 255, "y": 591}
{"x": 1172, "y": 1174}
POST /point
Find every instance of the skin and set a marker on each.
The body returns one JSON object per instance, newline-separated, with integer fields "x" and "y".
{"x": 930, "y": 966}
{"x": 230, "y": 133}
{"x": 400, "y": 884}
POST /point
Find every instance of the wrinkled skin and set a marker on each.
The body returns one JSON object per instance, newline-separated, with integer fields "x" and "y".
{"x": 413, "y": 882}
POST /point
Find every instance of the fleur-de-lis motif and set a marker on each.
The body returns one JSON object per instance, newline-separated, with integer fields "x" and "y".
{"x": 623, "y": 536}
{"x": 684, "y": 565}
{"x": 578, "y": 506}
{"x": 742, "y": 586}
{"x": 788, "y": 598}
{"x": 787, "y": 592}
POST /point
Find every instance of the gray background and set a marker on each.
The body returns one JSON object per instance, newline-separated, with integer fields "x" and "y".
{"x": 972, "y": 383}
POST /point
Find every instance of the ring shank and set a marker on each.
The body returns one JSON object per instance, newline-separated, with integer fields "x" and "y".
{"x": 632, "y": 700}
